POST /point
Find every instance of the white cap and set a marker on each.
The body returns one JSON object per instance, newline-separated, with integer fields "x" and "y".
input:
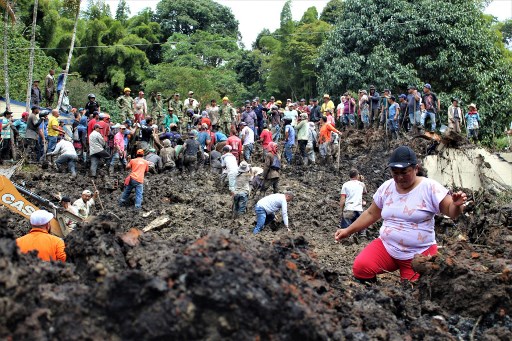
{"x": 87, "y": 192}
{"x": 154, "y": 126}
{"x": 40, "y": 217}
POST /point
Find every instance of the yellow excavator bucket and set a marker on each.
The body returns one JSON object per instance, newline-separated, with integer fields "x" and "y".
{"x": 13, "y": 200}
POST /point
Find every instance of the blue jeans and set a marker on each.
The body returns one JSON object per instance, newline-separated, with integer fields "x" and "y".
{"x": 139, "y": 191}
{"x": 415, "y": 117}
{"x": 52, "y": 142}
{"x": 262, "y": 218}
{"x": 117, "y": 159}
{"x": 240, "y": 203}
{"x": 348, "y": 218}
{"x": 288, "y": 151}
{"x": 277, "y": 134}
{"x": 247, "y": 148}
{"x": 70, "y": 160}
{"x": 348, "y": 118}
{"x": 432, "y": 119}
{"x": 392, "y": 125}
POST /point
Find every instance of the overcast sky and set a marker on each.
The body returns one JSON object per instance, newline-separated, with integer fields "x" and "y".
{"x": 255, "y": 15}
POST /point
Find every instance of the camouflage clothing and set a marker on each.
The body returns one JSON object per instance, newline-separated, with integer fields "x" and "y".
{"x": 227, "y": 115}
{"x": 125, "y": 106}
{"x": 177, "y": 105}
{"x": 157, "y": 109}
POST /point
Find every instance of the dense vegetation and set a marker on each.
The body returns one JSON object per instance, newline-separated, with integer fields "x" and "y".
{"x": 195, "y": 44}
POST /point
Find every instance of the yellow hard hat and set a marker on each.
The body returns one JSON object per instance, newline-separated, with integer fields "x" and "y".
{"x": 127, "y": 89}
{"x": 225, "y": 99}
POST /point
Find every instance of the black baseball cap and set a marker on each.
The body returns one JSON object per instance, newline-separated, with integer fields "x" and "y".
{"x": 402, "y": 157}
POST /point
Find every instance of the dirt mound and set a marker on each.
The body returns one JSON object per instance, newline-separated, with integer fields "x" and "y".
{"x": 472, "y": 281}
{"x": 218, "y": 287}
{"x": 203, "y": 275}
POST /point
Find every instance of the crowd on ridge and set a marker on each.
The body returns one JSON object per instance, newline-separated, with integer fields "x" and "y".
{"x": 170, "y": 134}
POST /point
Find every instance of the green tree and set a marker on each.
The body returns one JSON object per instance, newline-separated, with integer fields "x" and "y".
{"x": 506, "y": 30}
{"x": 332, "y": 11}
{"x": 286, "y": 21}
{"x": 393, "y": 43}
{"x": 199, "y": 49}
{"x": 188, "y": 16}
{"x": 96, "y": 9}
{"x": 208, "y": 84}
{"x": 18, "y": 60}
{"x": 142, "y": 25}
{"x": 288, "y": 56}
{"x": 249, "y": 68}
{"x": 122, "y": 11}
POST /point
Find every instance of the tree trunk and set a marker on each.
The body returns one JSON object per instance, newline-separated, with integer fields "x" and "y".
{"x": 6, "y": 65}
{"x": 32, "y": 51}
{"x": 70, "y": 55}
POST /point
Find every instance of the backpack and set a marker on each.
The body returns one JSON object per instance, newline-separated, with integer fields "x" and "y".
{"x": 276, "y": 163}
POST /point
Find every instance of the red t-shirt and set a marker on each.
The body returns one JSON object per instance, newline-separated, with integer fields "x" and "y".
{"x": 104, "y": 130}
{"x": 236, "y": 144}
{"x": 265, "y": 138}
{"x": 207, "y": 121}
{"x": 90, "y": 127}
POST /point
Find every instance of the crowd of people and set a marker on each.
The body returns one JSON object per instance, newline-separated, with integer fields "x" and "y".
{"x": 175, "y": 135}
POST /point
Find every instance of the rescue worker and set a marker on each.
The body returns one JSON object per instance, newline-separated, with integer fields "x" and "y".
{"x": 70, "y": 224}
{"x": 92, "y": 105}
{"x": 267, "y": 207}
{"x": 139, "y": 167}
{"x": 39, "y": 239}
{"x": 84, "y": 204}
{"x": 67, "y": 155}
{"x": 227, "y": 115}
{"x": 125, "y": 104}
{"x": 190, "y": 150}
{"x": 157, "y": 108}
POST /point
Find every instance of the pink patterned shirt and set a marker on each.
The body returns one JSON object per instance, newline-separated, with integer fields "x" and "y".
{"x": 408, "y": 219}
{"x": 119, "y": 141}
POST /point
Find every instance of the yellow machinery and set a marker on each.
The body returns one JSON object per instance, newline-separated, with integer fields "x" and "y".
{"x": 11, "y": 198}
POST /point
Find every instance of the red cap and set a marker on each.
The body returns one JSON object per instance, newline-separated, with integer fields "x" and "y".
{"x": 24, "y": 115}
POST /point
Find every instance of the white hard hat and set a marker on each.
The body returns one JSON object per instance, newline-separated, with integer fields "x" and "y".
{"x": 40, "y": 217}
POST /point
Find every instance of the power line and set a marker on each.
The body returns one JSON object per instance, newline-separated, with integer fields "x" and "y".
{"x": 353, "y": 29}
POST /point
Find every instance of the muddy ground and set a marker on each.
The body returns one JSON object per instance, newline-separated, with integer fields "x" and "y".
{"x": 204, "y": 275}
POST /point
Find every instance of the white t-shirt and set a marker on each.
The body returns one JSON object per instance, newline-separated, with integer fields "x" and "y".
{"x": 408, "y": 219}
{"x": 228, "y": 161}
{"x": 353, "y": 191}
{"x": 273, "y": 203}
{"x": 293, "y": 115}
{"x": 141, "y": 105}
{"x": 248, "y": 135}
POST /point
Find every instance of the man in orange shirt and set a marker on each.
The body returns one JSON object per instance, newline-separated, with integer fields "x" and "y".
{"x": 49, "y": 247}
{"x": 135, "y": 180}
{"x": 324, "y": 140}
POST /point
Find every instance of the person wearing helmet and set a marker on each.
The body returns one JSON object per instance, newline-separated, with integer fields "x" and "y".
{"x": 91, "y": 106}
{"x": 126, "y": 105}
{"x": 227, "y": 115}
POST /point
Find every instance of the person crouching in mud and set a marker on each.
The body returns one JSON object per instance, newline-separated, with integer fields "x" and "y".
{"x": 407, "y": 203}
